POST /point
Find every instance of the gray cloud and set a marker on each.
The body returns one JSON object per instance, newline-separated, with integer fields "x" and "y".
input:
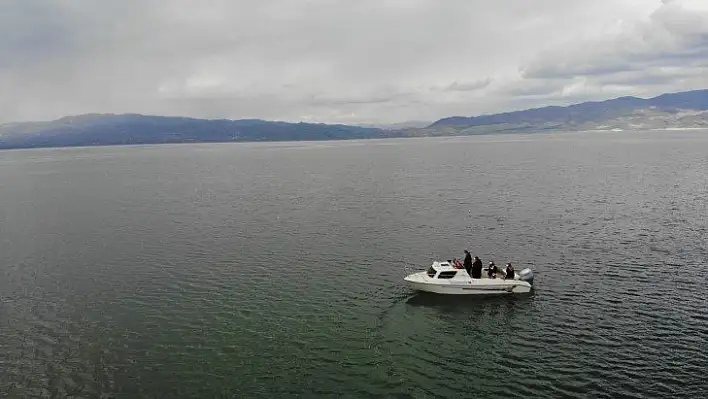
{"x": 337, "y": 60}
{"x": 666, "y": 51}
{"x": 650, "y": 76}
{"x": 469, "y": 86}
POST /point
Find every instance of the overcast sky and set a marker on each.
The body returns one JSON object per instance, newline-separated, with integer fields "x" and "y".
{"x": 350, "y": 61}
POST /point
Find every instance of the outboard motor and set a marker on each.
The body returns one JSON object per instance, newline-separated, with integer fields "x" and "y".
{"x": 526, "y": 275}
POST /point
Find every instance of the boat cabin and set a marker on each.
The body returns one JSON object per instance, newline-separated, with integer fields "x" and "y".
{"x": 445, "y": 270}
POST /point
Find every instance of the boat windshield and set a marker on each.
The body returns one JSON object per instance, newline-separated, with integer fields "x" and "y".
{"x": 431, "y": 272}
{"x": 448, "y": 274}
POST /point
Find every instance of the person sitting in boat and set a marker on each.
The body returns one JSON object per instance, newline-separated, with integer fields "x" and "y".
{"x": 509, "y": 272}
{"x": 492, "y": 270}
{"x": 457, "y": 264}
{"x": 476, "y": 268}
{"x": 468, "y": 262}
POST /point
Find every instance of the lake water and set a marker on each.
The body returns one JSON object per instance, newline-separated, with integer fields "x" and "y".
{"x": 275, "y": 269}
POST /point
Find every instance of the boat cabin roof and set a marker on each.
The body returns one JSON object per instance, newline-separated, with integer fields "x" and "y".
{"x": 443, "y": 266}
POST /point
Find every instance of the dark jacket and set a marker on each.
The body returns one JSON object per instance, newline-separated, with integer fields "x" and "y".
{"x": 477, "y": 269}
{"x": 468, "y": 262}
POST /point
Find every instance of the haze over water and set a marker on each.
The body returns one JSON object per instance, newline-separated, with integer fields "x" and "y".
{"x": 275, "y": 270}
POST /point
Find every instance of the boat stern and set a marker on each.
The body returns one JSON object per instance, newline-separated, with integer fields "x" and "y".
{"x": 526, "y": 275}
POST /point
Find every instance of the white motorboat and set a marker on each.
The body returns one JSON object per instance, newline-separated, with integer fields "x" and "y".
{"x": 444, "y": 278}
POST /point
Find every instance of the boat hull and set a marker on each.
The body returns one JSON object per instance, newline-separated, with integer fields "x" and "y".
{"x": 468, "y": 286}
{"x": 469, "y": 290}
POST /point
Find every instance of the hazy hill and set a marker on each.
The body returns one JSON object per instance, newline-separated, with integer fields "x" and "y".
{"x": 685, "y": 109}
{"x": 397, "y": 126}
{"x": 674, "y": 110}
{"x": 109, "y": 129}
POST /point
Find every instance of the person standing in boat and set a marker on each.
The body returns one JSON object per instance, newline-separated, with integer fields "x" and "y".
{"x": 477, "y": 268}
{"x": 509, "y": 272}
{"x": 468, "y": 262}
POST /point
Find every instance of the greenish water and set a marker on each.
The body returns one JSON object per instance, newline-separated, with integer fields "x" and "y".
{"x": 275, "y": 270}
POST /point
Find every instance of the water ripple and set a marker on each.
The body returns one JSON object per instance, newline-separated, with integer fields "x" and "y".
{"x": 256, "y": 271}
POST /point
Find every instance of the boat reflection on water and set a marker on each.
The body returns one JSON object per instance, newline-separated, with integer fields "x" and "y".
{"x": 428, "y": 299}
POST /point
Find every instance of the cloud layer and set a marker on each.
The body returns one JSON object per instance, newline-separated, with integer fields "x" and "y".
{"x": 341, "y": 61}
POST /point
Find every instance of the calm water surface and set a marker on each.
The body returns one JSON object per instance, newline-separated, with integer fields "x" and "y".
{"x": 275, "y": 270}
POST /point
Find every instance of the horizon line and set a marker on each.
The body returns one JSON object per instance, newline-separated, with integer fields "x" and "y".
{"x": 359, "y": 124}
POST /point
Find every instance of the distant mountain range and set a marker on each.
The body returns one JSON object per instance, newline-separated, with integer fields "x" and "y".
{"x": 675, "y": 110}
{"x": 397, "y": 126}
{"x": 109, "y": 129}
